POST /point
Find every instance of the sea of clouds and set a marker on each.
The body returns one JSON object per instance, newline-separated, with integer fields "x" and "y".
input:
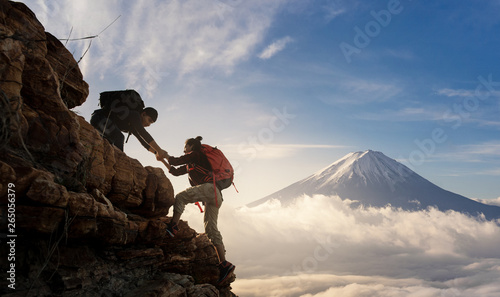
{"x": 321, "y": 246}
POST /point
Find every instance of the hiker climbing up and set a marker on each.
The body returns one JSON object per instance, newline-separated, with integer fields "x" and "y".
{"x": 125, "y": 111}
{"x": 207, "y": 183}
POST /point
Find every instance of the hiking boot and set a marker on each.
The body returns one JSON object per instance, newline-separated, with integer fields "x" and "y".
{"x": 172, "y": 229}
{"x": 225, "y": 269}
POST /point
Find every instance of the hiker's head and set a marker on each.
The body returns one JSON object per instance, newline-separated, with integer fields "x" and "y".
{"x": 193, "y": 144}
{"x": 148, "y": 116}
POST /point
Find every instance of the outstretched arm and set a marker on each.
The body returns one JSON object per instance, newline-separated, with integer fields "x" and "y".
{"x": 156, "y": 149}
{"x": 166, "y": 164}
{"x": 175, "y": 171}
{"x": 144, "y": 137}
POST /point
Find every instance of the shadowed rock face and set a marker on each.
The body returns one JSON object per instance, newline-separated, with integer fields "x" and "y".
{"x": 89, "y": 220}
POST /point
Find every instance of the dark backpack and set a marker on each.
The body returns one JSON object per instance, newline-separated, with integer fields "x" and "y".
{"x": 121, "y": 101}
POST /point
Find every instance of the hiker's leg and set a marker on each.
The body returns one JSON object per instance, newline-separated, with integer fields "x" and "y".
{"x": 117, "y": 139}
{"x": 211, "y": 217}
{"x": 221, "y": 252}
{"x": 213, "y": 233}
{"x": 176, "y": 217}
{"x": 98, "y": 120}
{"x": 114, "y": 135}
{"x": 190, "y": 195}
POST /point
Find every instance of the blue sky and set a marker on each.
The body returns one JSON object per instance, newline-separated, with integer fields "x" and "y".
{"x": 287, "y": 87}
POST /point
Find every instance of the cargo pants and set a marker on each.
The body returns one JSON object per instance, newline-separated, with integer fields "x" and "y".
{"x": 203, "y": 193}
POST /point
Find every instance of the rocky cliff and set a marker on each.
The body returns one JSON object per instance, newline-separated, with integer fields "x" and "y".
{"x": 78, "y": 216}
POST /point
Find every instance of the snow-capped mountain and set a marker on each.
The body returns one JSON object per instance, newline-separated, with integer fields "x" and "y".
{"x": 373, "y": 179}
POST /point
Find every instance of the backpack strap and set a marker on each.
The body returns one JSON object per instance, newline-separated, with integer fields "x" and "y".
{"x": 106, "y": 124}
{"x": 128, "y": 136}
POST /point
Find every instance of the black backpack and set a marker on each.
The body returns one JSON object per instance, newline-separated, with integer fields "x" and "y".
{"x": 121, "y": 101}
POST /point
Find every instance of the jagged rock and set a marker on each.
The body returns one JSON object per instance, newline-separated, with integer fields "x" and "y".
{"x": 48, "y": 192}
{"x": 7, "y": 175}
{"x": 28, "y": 76}
{"x": 90, "y": 220}
{"x": 100, "y": 158}
{"x": 128, "y": 182}
{"x": 25, "y": 177}
{"x": 158, "y": 194}
{"x": 170, "y": 284}
{"x": 37, "y": 218}
{"x": 73, "y": 89}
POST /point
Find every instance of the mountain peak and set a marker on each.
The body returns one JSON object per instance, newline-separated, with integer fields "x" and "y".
{"x": 368, "y": 167}
{"x": 373, "y": 179}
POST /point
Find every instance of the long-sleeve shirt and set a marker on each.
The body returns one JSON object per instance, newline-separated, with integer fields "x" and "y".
{"x": 197, "y": 166}
{"x": 132, "y": 122}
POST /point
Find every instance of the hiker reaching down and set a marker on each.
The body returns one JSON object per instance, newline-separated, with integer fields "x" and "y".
{"x": 124, "y": 111}
{"x": 203, "y": 189}
{"x": 135, "y": 123}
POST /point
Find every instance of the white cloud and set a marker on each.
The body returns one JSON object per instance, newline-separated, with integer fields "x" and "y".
{"x": 466, "y": 93}
{"x": 71, "y": 19}
{"x": 376, "y": 89}
{"x": 333, "y": 11}
{"x": 259, "y": 150}
{"x": 408, "y": 114}
{"x": 489, "y": 148}
{"x": 322, "y": 247}
{"x": 487, "y": 153}
{"x": 182, "y": 37}
{"x": 490, "y": 201}
{"x": 455, "y": 92}
{"x": 191, "y": 36}
{"x": 275, "y": 47}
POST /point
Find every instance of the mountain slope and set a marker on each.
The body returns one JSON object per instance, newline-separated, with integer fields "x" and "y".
{"x": 373, "y": 179}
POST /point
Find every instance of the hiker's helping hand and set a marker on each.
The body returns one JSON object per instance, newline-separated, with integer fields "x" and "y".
{"x": 162, "y": 154}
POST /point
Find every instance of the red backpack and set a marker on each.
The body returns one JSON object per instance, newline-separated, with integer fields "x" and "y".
{"x": 222, "y": 172}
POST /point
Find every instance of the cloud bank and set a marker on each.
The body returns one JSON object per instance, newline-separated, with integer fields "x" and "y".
{"x": 320, "y": 246}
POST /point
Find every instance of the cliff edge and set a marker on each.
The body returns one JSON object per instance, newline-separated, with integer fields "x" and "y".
{"x": 79, "y": 217}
